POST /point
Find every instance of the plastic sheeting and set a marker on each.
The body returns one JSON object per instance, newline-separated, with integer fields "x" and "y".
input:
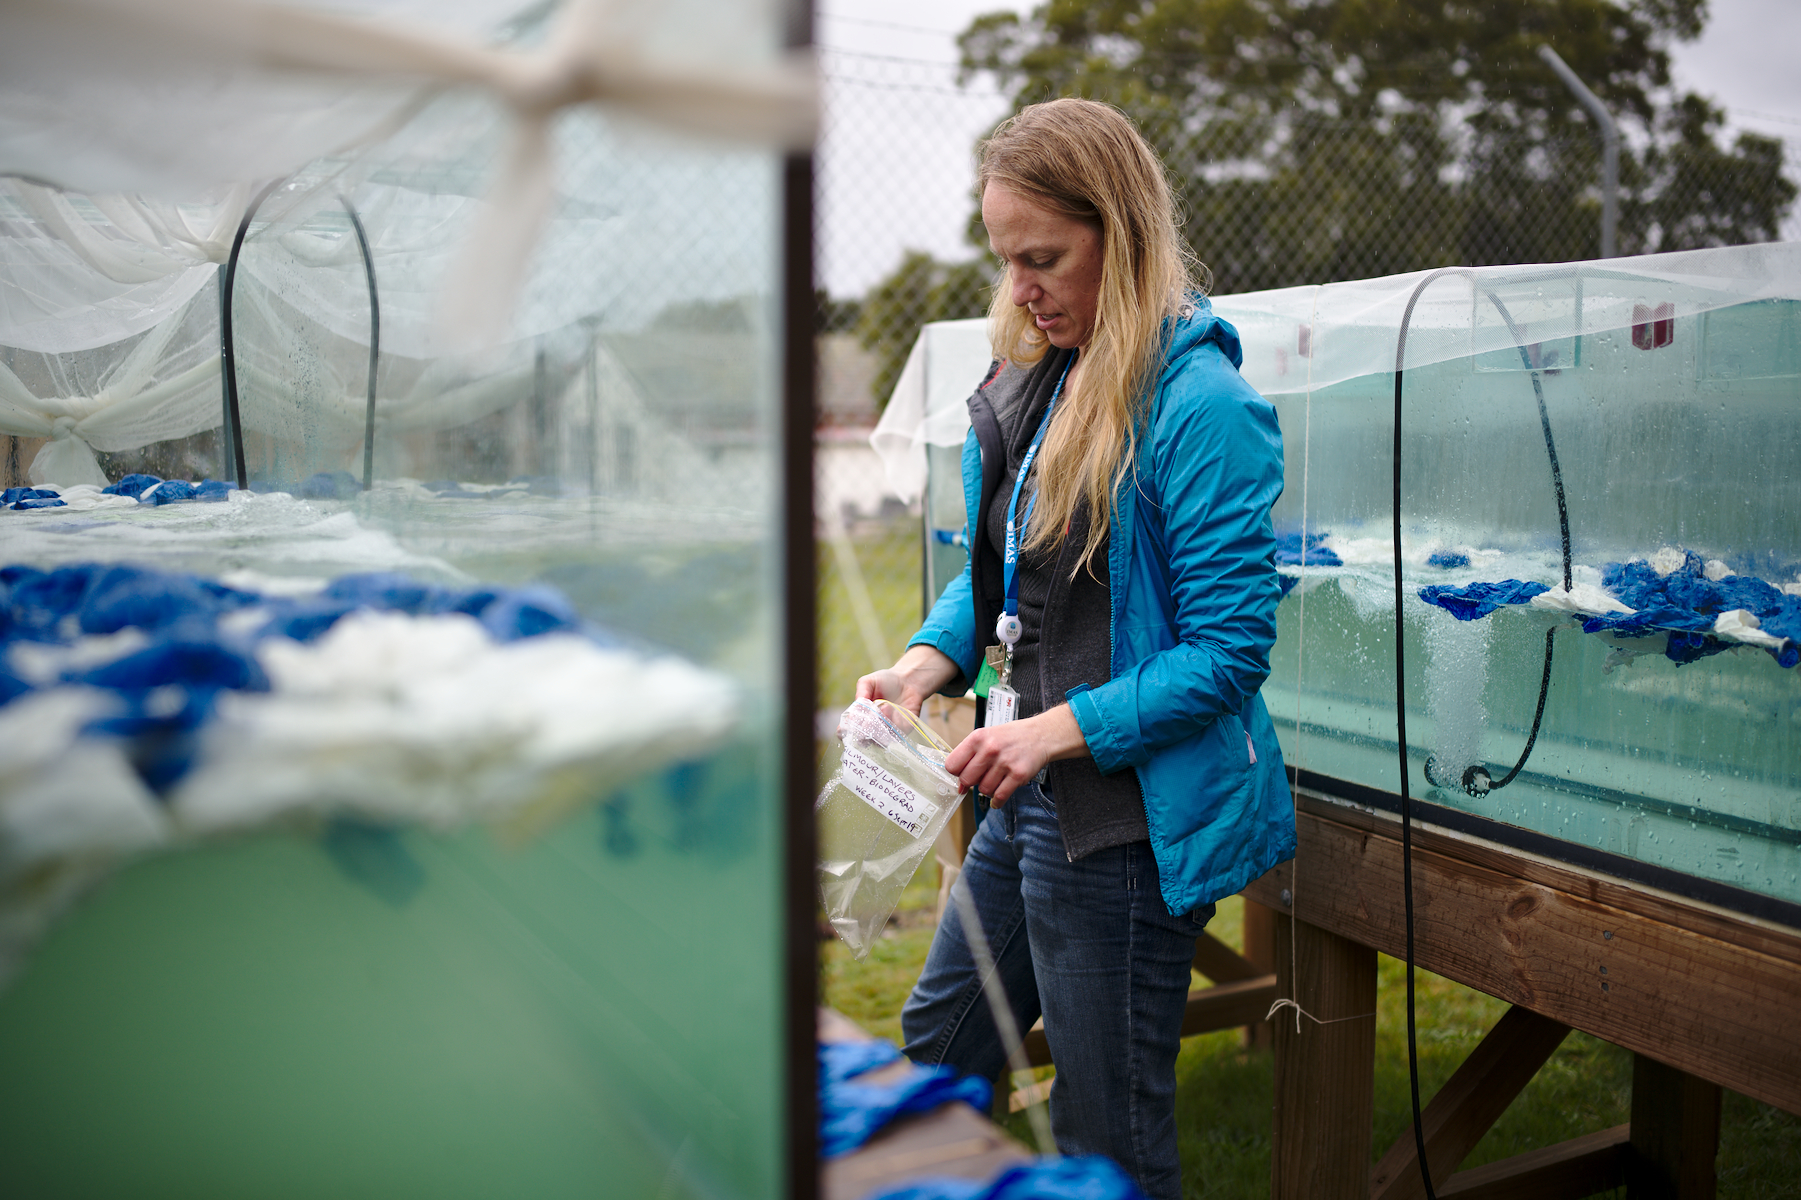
{"x": 1306, "y": 339}
{"x": 173, "y": 97}
{"x": 107, "y": 293}
{"x": 83, "y": 272}
{"x": 926, "y": 407}
{"x": 107, "y": 358}
{"x": 301, "y": 295}
{"x": 1297, "y": 339}
{"x": 327, "y": 403}
{"x": 163, "y": 384}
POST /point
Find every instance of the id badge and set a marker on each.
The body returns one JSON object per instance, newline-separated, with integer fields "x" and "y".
{"x": 1003, "y": 705}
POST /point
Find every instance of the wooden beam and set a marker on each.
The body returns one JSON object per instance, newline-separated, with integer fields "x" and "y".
{"x": 1220, "y": 963}
{"x": 1569, "y": 1170}
{"x": 1637, "y": 968}
{"x": 1753, "y": 933}
{"x": 1228, "y": 1004}
{"x": 1219, "y": 1007}
{"x": 1325, "y": 1071}
{"x": 1469, "y": 1103}
{"x": 1260, "y": 951}
{"x": 1675, "y": 1133}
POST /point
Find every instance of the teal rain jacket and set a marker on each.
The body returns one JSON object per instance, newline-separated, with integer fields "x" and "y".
{"x": 1194, "y": 589}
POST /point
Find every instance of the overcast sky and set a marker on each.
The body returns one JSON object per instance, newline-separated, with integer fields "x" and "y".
{"x": 895, "y": 167}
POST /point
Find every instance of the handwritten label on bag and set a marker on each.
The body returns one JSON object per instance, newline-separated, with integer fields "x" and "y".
{"x": 886, "y": 794}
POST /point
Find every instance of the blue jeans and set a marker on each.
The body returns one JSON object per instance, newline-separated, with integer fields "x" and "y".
{"x": 1090, "y": 947}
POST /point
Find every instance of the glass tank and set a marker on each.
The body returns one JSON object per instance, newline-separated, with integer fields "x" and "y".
{"x": 1600, "y": 475}
{"x": 1599, "y": 458}
{"x": 408, "y": 821}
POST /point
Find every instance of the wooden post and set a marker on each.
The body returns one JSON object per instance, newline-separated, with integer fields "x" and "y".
{"x": 1692, "y": 985}
{"x": 1260, "y": 951}
{"x": 1675, "y": 1133}
{"x": 1325, "y": 1073}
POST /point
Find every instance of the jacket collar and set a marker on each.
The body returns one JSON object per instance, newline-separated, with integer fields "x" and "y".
{"x": 1196, "y": 325}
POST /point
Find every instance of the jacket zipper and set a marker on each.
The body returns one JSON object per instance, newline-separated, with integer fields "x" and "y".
{"x": 1114, "y": 601}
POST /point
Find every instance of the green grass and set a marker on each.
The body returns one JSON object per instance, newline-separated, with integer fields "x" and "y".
{"x": 871, "y": 992}
{"x": 1223, "y": 1092}
{"x": 889, "y": 558}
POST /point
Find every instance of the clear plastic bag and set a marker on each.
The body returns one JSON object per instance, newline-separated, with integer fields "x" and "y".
{"x": 886, "y": 797}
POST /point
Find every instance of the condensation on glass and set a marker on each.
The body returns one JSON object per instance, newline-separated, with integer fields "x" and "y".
{"x": 1671, "y": 387}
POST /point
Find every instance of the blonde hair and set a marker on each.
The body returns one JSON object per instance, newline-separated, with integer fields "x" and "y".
{"x": 1085, "y": 160}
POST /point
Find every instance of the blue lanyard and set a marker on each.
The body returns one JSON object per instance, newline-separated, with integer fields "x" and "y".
{"x": 1010, "y": 558}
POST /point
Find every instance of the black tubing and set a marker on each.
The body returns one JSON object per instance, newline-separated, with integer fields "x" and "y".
{"x": 1563, "y": 521}
{"x": 1544, "y": 422}
{"x": 1476, "y": 779}
{"x": 362, "y": 241}
{"x": 227, "y": 341}
{"x": 1538, "y": 715}
{"x": 1413, "y": 1056}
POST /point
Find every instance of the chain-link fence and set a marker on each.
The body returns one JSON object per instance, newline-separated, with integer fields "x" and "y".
{"x": 895, "y": 165}
{"x": 1272, "y": 195}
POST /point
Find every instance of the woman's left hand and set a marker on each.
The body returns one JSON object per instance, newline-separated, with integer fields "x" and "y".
{"x": 999, "y": 760}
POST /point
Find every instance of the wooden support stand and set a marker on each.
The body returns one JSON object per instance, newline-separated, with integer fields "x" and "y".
{"x": 1675, "y": 1133}
{"x": 1260, "y": 952}
{"x": 1637, "y": 967}
{"x": 1466, "y": 1107}
{"x": 1666, "y": 1153}
{"x": 1692, "y": 985}
{"x": 951, "y": 719}
{"x": 1325, "y": 1072}
{"x": 1569, "y": 1170}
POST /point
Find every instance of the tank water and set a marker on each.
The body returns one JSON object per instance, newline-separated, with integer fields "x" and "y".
{"x": 1672, "y": 388}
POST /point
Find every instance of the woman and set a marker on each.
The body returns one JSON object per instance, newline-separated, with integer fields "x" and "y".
{"x": 1140, "y": 607}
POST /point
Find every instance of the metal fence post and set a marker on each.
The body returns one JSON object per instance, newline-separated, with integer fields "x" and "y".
{"x": 1610, "y": 148}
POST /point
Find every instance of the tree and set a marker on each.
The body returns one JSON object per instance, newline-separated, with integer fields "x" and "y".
{"x": 1694, "y": 194}
{"x": 920, "y": 290}
{"x": 1315, "y": 140}
{"x": 834, "y": 316}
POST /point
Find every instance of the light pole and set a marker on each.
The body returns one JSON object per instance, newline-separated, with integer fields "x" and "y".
{"x": 1610, "y": 147}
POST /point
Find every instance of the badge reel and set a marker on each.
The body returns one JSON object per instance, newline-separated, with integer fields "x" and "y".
{"x": 1003, "y": 701}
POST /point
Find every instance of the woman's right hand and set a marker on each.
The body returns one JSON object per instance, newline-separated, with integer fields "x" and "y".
{"x": 921, "y": 672}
